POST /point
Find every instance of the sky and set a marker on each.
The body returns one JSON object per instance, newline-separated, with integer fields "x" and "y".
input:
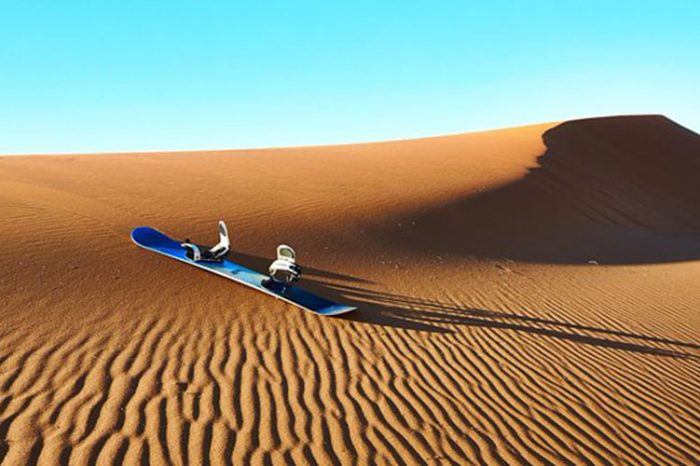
{"x": 112, "y": 76}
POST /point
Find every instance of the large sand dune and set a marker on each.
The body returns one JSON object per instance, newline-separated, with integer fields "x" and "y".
{"x": 526, "y": 296}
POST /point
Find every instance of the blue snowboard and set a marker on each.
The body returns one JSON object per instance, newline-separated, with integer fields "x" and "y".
{"x": 156, "y": 241}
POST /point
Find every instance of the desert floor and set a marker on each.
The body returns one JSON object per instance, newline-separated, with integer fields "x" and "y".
{"x": 526, "y": 296}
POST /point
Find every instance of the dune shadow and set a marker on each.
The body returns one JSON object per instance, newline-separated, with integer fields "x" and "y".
{"x": 617, "y": 190}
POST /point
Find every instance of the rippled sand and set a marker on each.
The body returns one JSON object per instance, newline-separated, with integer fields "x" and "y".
{"x": 526, "y": 296}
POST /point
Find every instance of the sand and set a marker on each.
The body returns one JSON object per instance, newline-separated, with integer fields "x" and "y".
{"x": 526, "y": 296}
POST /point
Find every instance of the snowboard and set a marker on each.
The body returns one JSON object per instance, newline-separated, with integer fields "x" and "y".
{"x": 154, "y": 240}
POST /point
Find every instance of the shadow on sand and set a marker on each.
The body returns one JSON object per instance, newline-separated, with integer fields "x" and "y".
{"x": 393, "y": 310}
{"x": 618, "y": 190}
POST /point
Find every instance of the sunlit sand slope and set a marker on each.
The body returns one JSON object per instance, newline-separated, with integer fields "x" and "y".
{"x": 526, "y": 296}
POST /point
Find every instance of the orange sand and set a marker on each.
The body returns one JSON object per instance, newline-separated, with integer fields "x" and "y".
{"x": 526, "y": 296}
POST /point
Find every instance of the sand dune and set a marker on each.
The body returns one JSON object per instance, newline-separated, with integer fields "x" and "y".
{"x": 526, "y": 296}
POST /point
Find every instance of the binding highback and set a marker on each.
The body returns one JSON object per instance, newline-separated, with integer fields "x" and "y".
{"x": 223, "y": 246}
{"x": 285, "y": 252}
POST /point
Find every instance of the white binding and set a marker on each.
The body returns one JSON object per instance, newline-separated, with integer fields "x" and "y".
{"x": 223, "y": 246}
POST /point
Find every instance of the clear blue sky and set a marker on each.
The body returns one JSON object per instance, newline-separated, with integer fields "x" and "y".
{"x": 84, "y": 76}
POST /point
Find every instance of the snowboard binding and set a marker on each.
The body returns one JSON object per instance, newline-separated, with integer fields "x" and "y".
{"x": 218, "y": 253}
{"x": 284, "y": 272}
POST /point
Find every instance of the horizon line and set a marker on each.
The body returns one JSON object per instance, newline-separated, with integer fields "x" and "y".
{"x": 346, "y": 143}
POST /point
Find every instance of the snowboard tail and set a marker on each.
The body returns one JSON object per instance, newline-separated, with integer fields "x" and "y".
{"x": 154, "y": 240}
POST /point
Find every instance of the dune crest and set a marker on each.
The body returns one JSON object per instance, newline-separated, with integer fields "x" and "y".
{"x": 617, "y": 190}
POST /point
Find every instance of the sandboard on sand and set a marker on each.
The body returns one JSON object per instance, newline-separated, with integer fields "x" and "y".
{"x": 154, "y": 240}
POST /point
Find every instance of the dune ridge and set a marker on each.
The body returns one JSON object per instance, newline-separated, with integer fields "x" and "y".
{"x": 526, "y": 296}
